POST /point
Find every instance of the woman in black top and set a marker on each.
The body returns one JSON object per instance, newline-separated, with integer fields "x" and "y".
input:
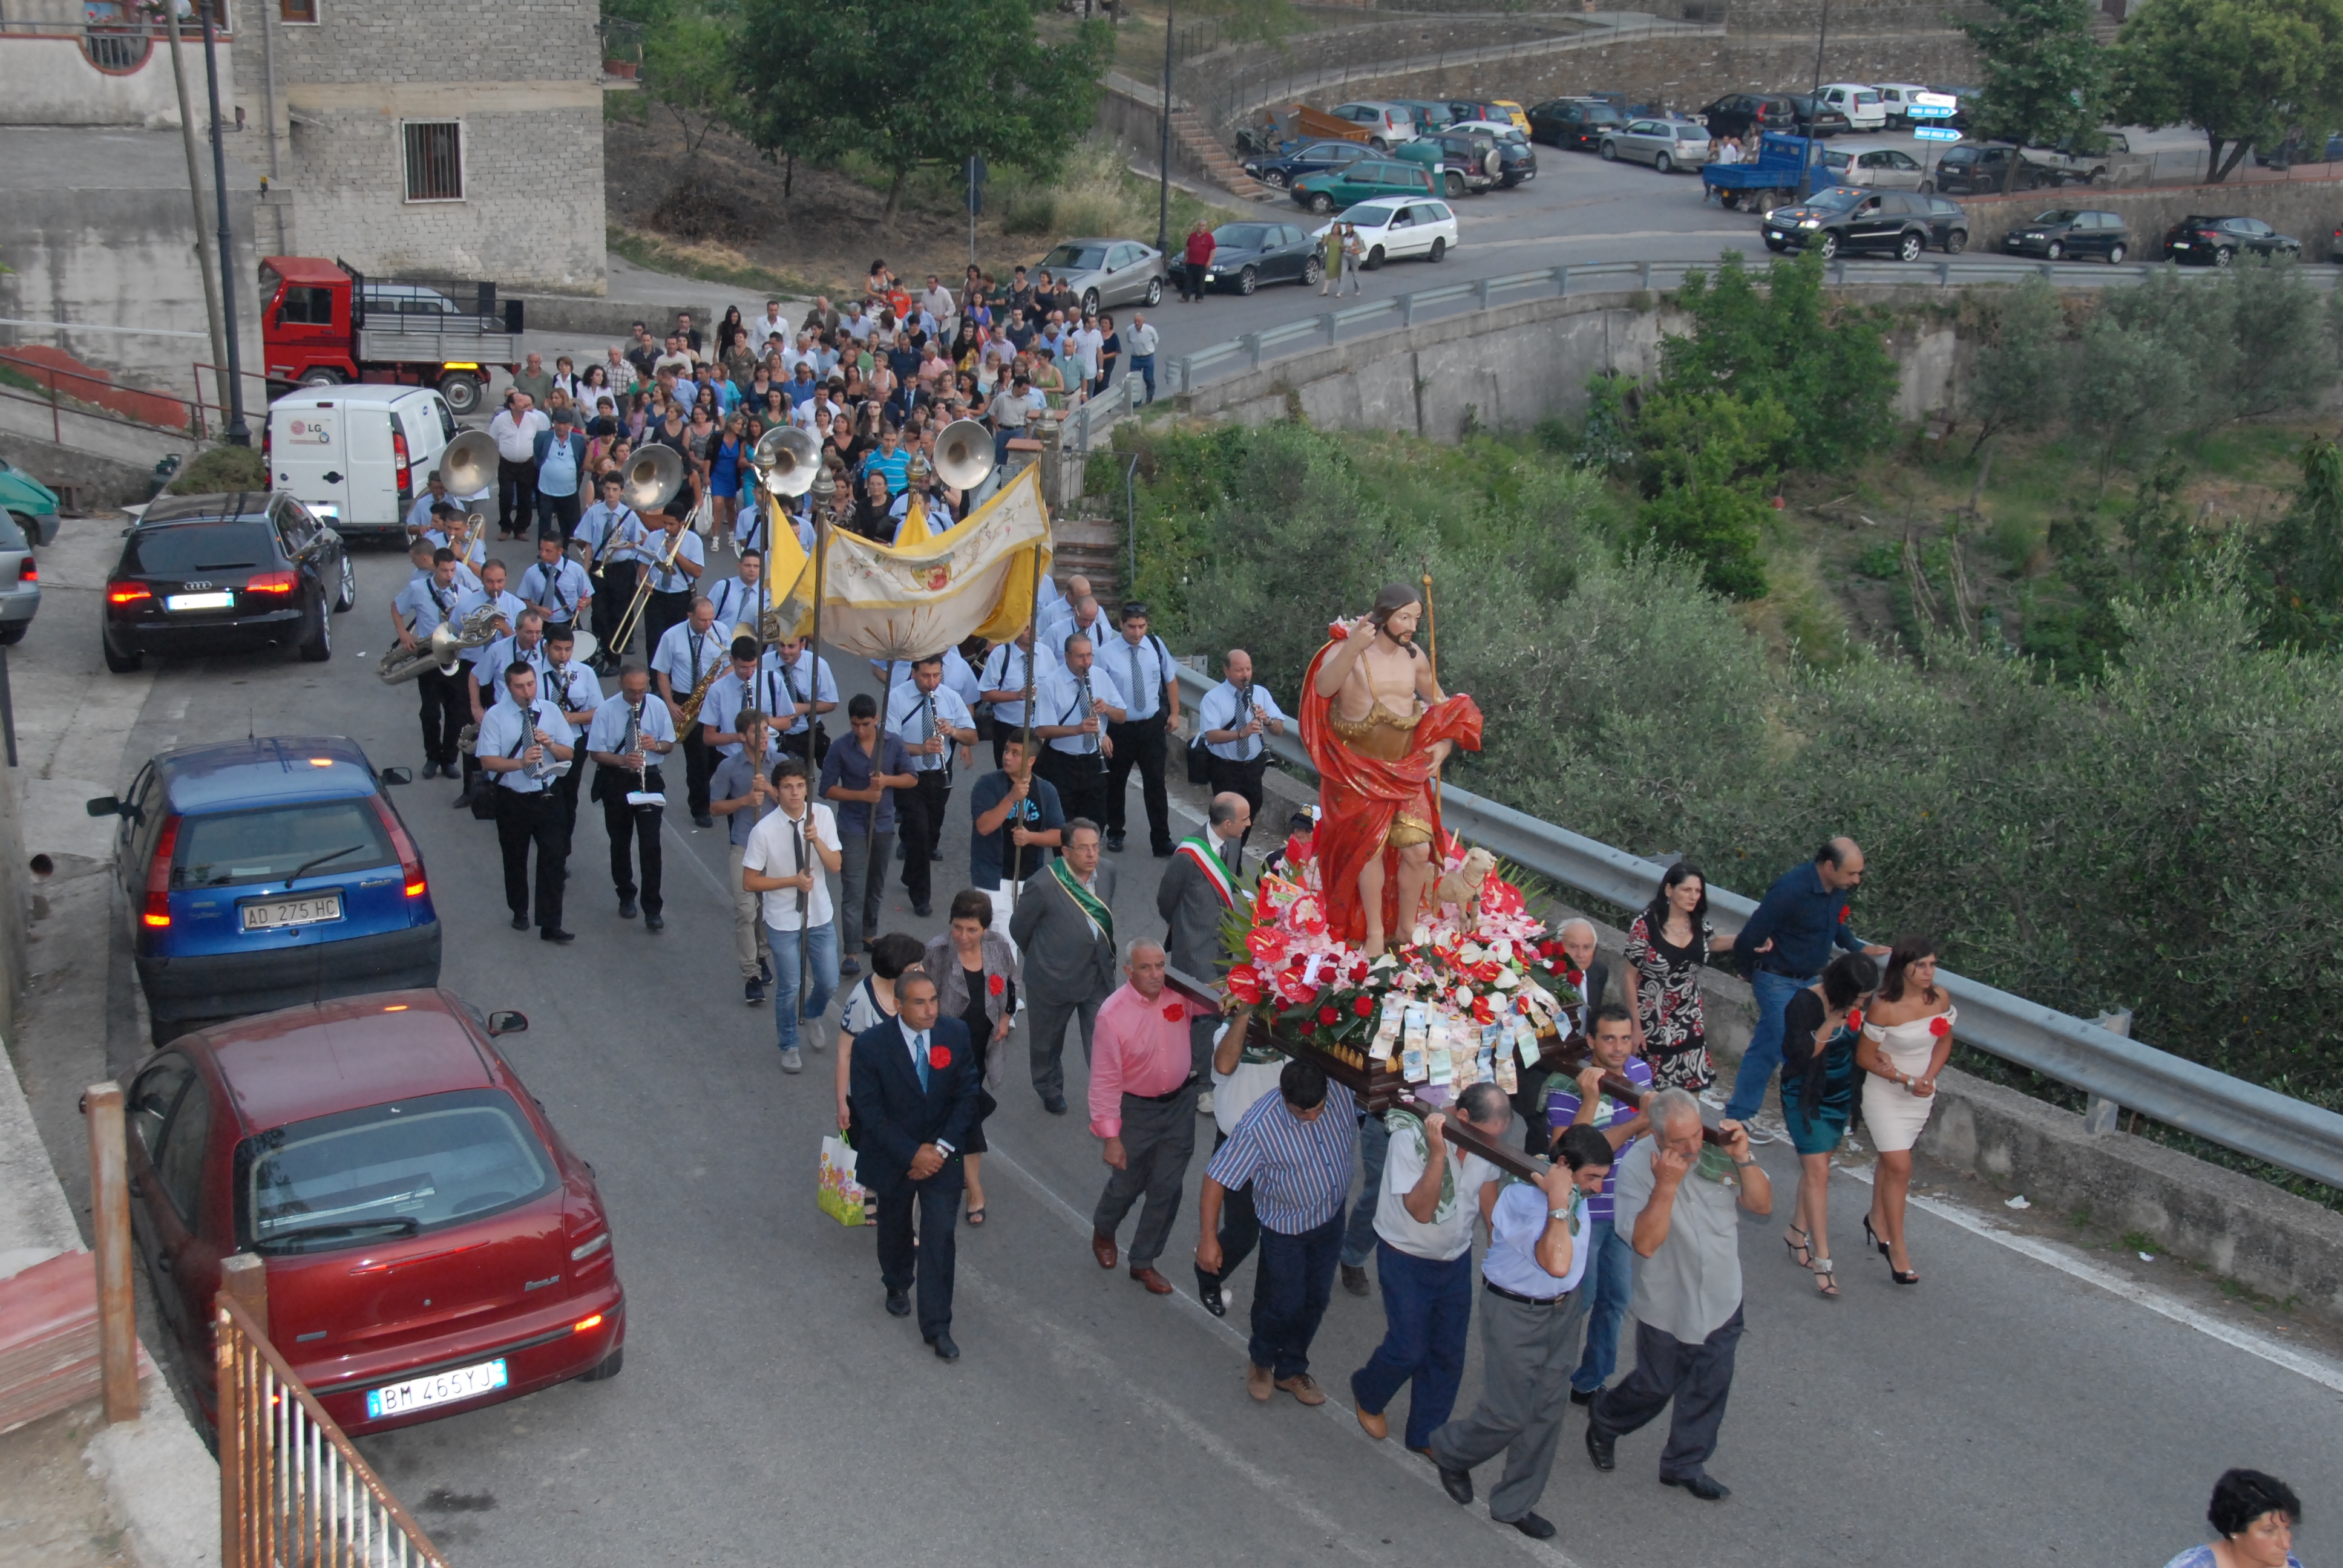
{"x": 1819, "y": 1029}
{"x": 975, "y": 971}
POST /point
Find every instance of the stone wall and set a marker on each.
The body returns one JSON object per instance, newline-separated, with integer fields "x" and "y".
{"x": 521, "y": 78}
{"x": 2308, "y": 206}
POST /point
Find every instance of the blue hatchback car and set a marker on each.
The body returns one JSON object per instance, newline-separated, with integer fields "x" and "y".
{"x": 267, "y": 873}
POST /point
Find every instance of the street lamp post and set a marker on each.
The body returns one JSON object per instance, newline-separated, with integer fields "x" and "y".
{"x": 238, "y": 433}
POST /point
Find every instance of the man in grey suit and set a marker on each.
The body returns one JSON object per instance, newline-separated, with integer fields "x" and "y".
{"x": 1199, "y": 888}
{"x": 1064, "y": 926}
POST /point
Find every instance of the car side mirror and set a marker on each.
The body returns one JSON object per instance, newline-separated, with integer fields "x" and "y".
{"x": 103, "y": 806}
{"x": 395, "y": 775}
{"x": 508, "y": 1020}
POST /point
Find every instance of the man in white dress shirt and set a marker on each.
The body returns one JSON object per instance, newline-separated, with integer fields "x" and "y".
{"x": 789, "y": 859}
{"x": 1233, "y": 723}
{"x": 930, "y": 719}
{"x": 528, "y": 808}
{"x": 1078, "y": 702}
{"x": 515, "y": 430}
{"x": 1003, "y": 684}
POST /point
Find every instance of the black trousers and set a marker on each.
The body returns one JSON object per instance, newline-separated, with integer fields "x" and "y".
{"x": 446, "y": 710}
{"x": 661, "y": 611}
{"x": 556, "y": 514}
{"x": 1240, "y": 1226}
{"x": 631, "y": 826}
{"x": 1080, "y": 779}
{"x": 516, "y": 495}
{"x": 1192, "y": 285}
{"x": 1697, "y": 1377}
{"x": 698, "y": 767}
{"x": 927, "y": 1263}
{"x": 919, "y": 824}
{"x": 566, "y": 788}
{"x": 525, "y": 823}
{"x": 612, "y": 595}
{"x": 1139, "y": 744}
{"x": 1244, "y": 779}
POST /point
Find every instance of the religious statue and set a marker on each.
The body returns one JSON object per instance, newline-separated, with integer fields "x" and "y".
{"x": 1378, "y": 727}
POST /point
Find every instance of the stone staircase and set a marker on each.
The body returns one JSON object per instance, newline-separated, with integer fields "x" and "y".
{"x": 1090, "y": 548}
{"x": 1197, "y": 141}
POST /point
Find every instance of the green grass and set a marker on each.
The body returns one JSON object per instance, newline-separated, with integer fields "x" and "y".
{"x": 709, "y": 266}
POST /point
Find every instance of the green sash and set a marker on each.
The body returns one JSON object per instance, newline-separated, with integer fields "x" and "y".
{"x": 1102, "y": 918}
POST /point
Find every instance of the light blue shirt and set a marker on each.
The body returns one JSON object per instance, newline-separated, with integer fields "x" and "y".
{"x": 501, "y": 737}
{"x": 1514, "y": 1226}
{"x": 910, "y": 719}
{"x": 611, "y": 533}
{"x": 572, "y": 688}
{"x": 507, "y": 606}
{"x": 735, "y": 601}
{"x": 780, "y": 690}
{"x": 1061, "y": 696}
{"x": 959, "y": 679}
{"x": 1141, "y": 669}
{"x": 1220, "y": 709}
{"x": 609, "y": 726}
{"x": 561, "y": 591}
{"x": 686, "y": 657}
{"x": 1004, "y": 670}
{"x": 675, "y": 580}
{"x": 499, "y": 656}
{"x": 424, "y": 605}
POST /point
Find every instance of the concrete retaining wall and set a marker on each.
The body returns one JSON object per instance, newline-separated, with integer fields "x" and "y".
{"x": 2308, "y": 206}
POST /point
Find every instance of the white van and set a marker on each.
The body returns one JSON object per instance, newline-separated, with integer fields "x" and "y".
{"x": 357, "y": 455}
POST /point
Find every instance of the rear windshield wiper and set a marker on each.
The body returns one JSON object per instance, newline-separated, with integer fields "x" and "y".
{"x": 401, "y": 1225}
{"x": 308, "y": 866}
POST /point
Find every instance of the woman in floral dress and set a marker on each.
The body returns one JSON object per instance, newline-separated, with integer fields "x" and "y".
{"x": 1668, "y": 947}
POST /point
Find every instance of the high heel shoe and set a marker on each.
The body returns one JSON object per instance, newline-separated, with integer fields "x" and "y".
{"x": 1872, "y": 1236}
{"x": 1797, "y": 1247}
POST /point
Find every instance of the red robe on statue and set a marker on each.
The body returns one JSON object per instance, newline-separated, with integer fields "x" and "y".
{"x": 1360, "y": 797}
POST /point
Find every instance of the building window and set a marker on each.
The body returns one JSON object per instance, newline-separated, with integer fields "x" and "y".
{"x": 296, "y": 10}
{"x": 435, "y": 160}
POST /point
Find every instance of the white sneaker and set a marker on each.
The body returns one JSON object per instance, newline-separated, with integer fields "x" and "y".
{"x": 1761, "y": 1135}
{"x": 1204, "y": 1103}
{"x": 1714, "y": 1100}
{"x": 792, "y": 1061}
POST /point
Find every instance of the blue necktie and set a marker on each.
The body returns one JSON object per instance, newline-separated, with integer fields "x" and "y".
{"x": 919, "y": 1057}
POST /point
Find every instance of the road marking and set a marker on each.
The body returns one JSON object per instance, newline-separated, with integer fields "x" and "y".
{"x": 1395, "y": 1453}
{"x": 2317, "y": 1369}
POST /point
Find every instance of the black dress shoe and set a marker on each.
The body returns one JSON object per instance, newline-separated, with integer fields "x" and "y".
{"x": 1703, "y": 1486}
{"x": 1055, "y": 1104}
{"x": 521, "y": 922}
{"x": 1532, "y": 1526}
{"x": 654, "y": 922}
{"x": 430, "y": 770}
{"x": 1457, "y": 1484}
{"x": 464, "y": 799}
{"x": 945, "y": 1350}
{"x": 1163, "y": 854}
{"x": 923, "y": 910}
{"x": 556, "y": 934}
{"x": 848, "y": 967}
{"x": 898, "y": 1303}
{"x": 1114, "y": 843}
{"x": 1600, "y": 1448}
{"x": 1583, "y": 1395}
{"x": 1208, "y": 1290}
{"x": 626, "y": 908}
{"x": 702, "y": 820}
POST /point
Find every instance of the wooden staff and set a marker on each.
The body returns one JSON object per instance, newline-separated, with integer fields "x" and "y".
{"x": 805, "y": 894}
{"x": 1432, "y": 648}
{"x": 1033, "y": 621}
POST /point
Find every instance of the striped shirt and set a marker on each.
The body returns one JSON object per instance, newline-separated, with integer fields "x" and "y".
{"x": 1300, "y": 1170}
{"x": 1561, "y": 1107}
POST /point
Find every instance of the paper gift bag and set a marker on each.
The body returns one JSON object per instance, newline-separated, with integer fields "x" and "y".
{"x": 840, "y": 1195}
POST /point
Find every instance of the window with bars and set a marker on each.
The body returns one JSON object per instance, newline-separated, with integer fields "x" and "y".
{"x": 435, "y": 160}
{"x": 296, "y": 10}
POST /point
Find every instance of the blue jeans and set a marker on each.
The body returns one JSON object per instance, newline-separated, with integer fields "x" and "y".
{"x": 1359, "y": 1240}
{"x": 1291, "y": 1285}
{"x": 822, "y": 977}
{"x": 1763, "y": 1057}
{"x": 1143, "y": 366}
{"x": 1428, "y": 1318}
{"x": 1610, "y": 1274}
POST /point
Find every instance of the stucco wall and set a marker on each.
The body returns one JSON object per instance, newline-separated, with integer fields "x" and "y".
{"x": 46, "y": 80}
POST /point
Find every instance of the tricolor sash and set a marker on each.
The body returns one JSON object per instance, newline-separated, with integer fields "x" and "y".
{"x": 1198, "y": 849}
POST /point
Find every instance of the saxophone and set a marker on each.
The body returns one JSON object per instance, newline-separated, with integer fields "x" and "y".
{"x": 700, "y": 695}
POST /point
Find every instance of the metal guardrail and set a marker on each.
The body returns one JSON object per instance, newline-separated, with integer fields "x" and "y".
{"x": 1252, "y": 350}
{"x": 2254, "y": 1121}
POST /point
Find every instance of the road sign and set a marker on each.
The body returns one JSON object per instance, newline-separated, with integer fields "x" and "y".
{"x": 1915, "y": 110}
{"x": 1941, "y": 103}
{"x": 1936, "y": 134}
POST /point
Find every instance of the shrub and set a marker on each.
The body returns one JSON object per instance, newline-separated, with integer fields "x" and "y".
{"x": 222, "y": 468}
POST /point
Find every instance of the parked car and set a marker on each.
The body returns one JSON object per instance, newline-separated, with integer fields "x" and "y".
{"x": 219, "y": 573}
{"x": 1865, "y": 110}
{"x": 1962, "y": 97}
{"x": 356, "y": 456}
{"x": 1468, "y": 162}
{"x": 1848, "y": 219}
{"x": 1428, "y": 117}
{"x": 1816, "y": 119}
{"x": 2293, "y": 151}
{"x": 2069, "y": 165}
{"x": 32, "y": 503}
{"x": 1279, "y": 170}
{"x": 1108, "y": 272}
{"x": 1745, "y": 115}
{"x": 1663, "y": 144}
{"x": 1575, "y": 123}
{"x": 430, "y": 1243}
{"x": 2064, "y": 232}
{"x": 260, "y": 874}
{"x": 1505, "y": 111}
{"x": 20, "y": 581}
{"x": 1362, "y": 181}
{"x": 1981, "y": 168}
{"x": 1896, "y": 98}
{"x": 1387, "y": 125}
{"x": 2218, "y": 241}
{"x": 1517, "y": 160}
{"x": 1392, "y": 230}
{"x": 1882, "y": 168}
{"x": 1247, "y": 254}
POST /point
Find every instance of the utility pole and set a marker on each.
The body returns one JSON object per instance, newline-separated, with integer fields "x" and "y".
{"x": 238, "y": 433}
{"x": 1164, "y": 153}
{"x": 195, "y": 204}
{"x": 1806, "y": 164}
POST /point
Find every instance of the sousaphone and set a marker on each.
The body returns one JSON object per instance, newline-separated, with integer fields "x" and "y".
{"x": 964, "y": 455}
{"x": 787, "y": 460}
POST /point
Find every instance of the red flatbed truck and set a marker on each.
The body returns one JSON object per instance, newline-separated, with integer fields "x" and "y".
{"x": 324, "y": 323}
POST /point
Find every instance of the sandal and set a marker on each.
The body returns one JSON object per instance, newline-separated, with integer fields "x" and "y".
{"x": 976, "y": 1216}
{"x": 1825, "y": 1278}
{"x": 1803, "y": 1245}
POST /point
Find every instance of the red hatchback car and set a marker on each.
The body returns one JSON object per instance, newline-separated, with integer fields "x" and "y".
{"x": 430, "y": 1243}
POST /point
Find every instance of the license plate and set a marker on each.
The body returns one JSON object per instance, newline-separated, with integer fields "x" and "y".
{"x": 276, "y": 914}
{"x": 441, "y": 1388}
{"x": 200, "y": 601}
{"x": 1775, "y": 233}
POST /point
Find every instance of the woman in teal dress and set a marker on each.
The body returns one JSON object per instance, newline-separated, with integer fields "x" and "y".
{"x": 1819, "y": 1031}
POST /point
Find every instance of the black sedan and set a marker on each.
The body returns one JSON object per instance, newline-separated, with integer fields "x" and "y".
{"x": 1279, "y": 170}
{"x": 2218, "y": 241}
{"x": 1247, "y": 254}
{"x": 1850, "y": 220}
{"x": 1576, "y": 124}
{"x": 212, "y": 574}
{"x": 2064, "y": 232}
{"x": 1817, "y": 118}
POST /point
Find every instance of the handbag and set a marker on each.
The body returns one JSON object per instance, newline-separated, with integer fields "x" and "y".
{"x": 840, "y": 1195}
{"x": 1200, "y": 761}
{"x": 702, "y": 520}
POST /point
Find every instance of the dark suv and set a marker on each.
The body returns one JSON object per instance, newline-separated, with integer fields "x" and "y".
{"x": 1850, "y": 220}
{"x": 1745, "y": 115}
{"x": 1979, "y": 168}
{"x": 211, "y": 574}
{"x": 1577, "y": 123}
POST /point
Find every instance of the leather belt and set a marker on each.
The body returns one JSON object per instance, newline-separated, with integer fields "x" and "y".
{"x": 1497, "y": 1290}
{"x": 1165, "y": 1098}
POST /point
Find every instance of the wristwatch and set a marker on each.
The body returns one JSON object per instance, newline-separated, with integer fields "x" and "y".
{"x": 1738, "y": 1164}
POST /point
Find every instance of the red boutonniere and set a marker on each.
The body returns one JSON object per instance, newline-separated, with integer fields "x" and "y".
{"x": 1854, "y": 1019}
{"x": 1940, "y": 1026}
{"x": 1174, "y": 1013}
{"x": 939, "y": 1056}
{"x": 996, "y": 984}
{"x": 1843, "y": 911}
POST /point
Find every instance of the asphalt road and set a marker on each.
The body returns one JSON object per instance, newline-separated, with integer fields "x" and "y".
{"x": 2007, "y": 1410}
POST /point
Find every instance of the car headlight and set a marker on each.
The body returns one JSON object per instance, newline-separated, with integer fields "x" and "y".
{"x": 1810, "y": 223}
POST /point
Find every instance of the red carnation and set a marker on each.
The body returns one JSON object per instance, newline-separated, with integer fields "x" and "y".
{"x": 996, "y": 984}
{"x": 1174, "y": 1013}
{"x": 1365, "y": 1006}
{"x": 1843, "y": 910}
{"x": 938, "y": 1056}
{"x": 1854, "y": 1018}
{"x": 1940, "y": 1026}
{"x": 1328, "y": 1016}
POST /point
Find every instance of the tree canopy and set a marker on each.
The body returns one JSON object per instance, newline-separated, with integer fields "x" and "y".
{"x": 2244, "y": 72}
{"x": 2046, "y": 76}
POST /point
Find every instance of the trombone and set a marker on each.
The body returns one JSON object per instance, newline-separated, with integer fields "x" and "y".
{"x": 652, "y": 478}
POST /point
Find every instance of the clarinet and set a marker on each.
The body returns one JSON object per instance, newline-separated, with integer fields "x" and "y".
{"x": 632, "y": 742}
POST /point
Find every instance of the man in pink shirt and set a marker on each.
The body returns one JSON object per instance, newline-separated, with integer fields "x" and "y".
{"x": 1143, "y": 1088}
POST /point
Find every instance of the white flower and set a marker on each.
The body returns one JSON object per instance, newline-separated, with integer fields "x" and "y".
{"x": 1472, "y": 953}
{"x": 1507, "y": 979}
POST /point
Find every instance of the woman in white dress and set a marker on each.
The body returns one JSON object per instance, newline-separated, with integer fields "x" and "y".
{"x": 1906, "y": 1037}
